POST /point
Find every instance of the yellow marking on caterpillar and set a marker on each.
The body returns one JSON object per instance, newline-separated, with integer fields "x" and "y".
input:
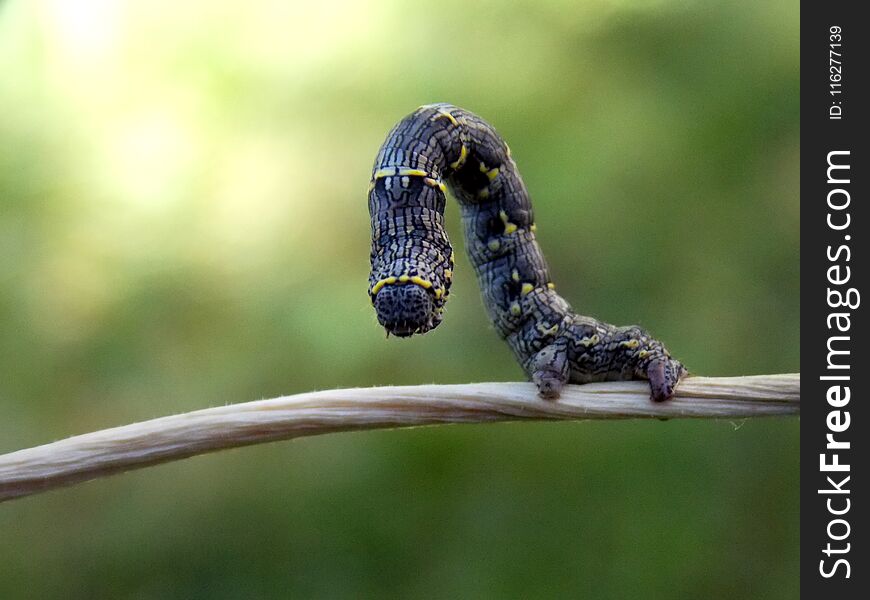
{"x": 490, "y": 173}
{"x": 483, "y": 194}
{"x": 516, "y": 310}
{"x": 630, "y": 344}
{"x": 526, "y": 289}
{"x": 411, "y": 172}
{"x": 372, "y": 186}
{"x": 438, "y": 293}
{"x": 443, "y": 114}
{"x": 386, "y": 281}
{"x": 399, "y": 171}
{"x": 547, "y": 331}
{"x": 551, "y": 286}
{"x": 507, "y": 150}
{"x": 452, "y": 258}
{"x": 435, "y": 183}
{"x": 509, "y": 227}
{"x": 533, "y": 227}
{"x": 643, "y": 354}
{"x": 415, "y": 279}
{"x": 515, "y": 275}
{"x": 589, "y": 341}
{"x": 448, "y": 273}
{"x": 494, "y": 245}
{"x": 463, "y": 153}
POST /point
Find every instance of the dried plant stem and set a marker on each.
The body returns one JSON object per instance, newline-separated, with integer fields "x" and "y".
{"x": 109, "y": 451}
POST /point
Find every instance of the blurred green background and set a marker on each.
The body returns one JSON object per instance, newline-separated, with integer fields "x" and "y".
{"x": 183, "y": 224}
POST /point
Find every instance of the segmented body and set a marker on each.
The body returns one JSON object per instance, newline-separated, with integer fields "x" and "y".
{"x": 440, "y": 146}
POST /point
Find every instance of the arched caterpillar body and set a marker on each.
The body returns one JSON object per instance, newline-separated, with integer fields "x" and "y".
{"x": 440, "y": 146}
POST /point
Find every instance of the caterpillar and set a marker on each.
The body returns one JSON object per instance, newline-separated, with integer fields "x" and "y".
{"x": 440, "y": 147}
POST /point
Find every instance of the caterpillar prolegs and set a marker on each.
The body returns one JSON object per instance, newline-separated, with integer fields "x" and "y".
{"x": 440, "y": 146}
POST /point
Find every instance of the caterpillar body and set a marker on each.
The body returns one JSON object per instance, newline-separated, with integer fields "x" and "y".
{"x": 440, "y": 146}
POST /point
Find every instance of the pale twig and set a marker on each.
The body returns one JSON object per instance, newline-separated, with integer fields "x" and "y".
{"x": 109, "y": 451}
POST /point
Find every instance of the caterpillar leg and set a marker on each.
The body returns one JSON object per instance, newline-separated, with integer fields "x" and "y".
{"x": 602, "y": 352}
{"x": 664, "y": 374}
{"x": 654, "y": 363}
{"x": 550, "y": 369}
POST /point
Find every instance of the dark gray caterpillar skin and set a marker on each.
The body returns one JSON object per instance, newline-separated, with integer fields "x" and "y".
{"x": 412, "y": 259}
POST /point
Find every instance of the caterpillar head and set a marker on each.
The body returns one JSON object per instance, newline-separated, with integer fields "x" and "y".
{"x": 406, "y": 309}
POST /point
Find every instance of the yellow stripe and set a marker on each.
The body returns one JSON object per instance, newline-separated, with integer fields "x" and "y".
{"x": 387, "y": 281}
{"x": 527, "y": 289}
{"x": 399, "y": 172}
{"x": 401, "y": 279}
{"x": 443, "y": 114}
{"x": 463, "y": 153}
{"x": 423, "y": 283}
{"x": 435, "y": 183}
